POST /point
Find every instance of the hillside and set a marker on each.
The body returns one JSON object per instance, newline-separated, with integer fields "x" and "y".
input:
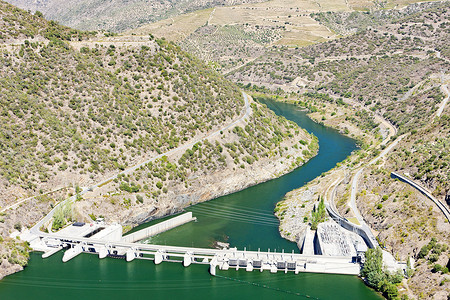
{"x": 77, "y": 108}
{"x": 346, "y": 23}
{"x": 115, "y": 16}
{"x": 376, "y": 67}
{"x": 405, "y": 219}
{"x": 230, "y": 37}
{"x": 396, "y": 71}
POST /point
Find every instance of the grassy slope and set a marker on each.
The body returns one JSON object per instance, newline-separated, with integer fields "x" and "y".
{"x": 73, "y": 115}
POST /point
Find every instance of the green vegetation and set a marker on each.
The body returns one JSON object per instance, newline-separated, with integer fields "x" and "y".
{"x": 65, "y": 110}
{"x": 375, "y": 67}
{"x": 377, "y": 278}
{"x": 230, "y": 45}
{"x": 348, "y": 22}
{"x": 18, "y": 251}
{"x": 425, "y": 154}
{"x": 436, "y": 250}
{"x": 62, "y": 215}
{"x": 318, "y": 215}
{"x": 16, "y": 23}
{"x": 260, "y": 138}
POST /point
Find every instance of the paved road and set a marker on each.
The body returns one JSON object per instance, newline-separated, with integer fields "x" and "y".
{"x": 246, "y": 113}
{"x": 392, "y": 129}
{"x": 356, "y": 177}
{"x": 354, "y": 187}
{"x": 383, "y": 153}
{"x": 335, "y": 184}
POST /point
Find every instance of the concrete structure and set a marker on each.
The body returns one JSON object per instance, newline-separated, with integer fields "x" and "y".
{"x": 246, "y": 113}
{"x": 158, "y": 228}
{"x": 308, "y": 242}
{"x": 362, "y": 230}
{"x": 333, "y": 240}
{"x": 426, "y": 193}
{"x": 106, "y": 241}
{"x": 222, "y": 259}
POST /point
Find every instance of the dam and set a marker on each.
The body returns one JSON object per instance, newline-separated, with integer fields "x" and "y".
{"x": 107, "y": 241}
{"x": 138, "y": 279}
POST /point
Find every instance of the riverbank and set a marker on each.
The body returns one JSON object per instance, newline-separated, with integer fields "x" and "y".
{"x": 244, "y": 220}
{"x": 393, "y": 210}
{"x": 213, "y": 169}
{"x": 134, "y": 199}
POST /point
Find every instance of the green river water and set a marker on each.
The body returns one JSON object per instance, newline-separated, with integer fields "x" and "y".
{"x": 243, "y": 219}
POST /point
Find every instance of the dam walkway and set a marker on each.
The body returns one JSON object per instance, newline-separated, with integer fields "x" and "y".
{"x": 107, "y": 241}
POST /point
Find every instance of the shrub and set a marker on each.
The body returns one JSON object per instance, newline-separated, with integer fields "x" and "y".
{"x": 433, "y": 257}
{"x": 437, "y": 268}
{"x": 18, "y": 226}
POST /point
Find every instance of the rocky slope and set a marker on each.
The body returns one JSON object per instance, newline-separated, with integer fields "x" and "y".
{"x": 77, "y": 108}
{"x": 406, "y": 220}
{"x": 375, "y": 67}
{"x": 116, "y": 15}
{"x": 380, "y": 83}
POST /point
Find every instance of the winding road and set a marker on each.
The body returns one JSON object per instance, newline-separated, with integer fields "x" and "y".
{"x": 246, "y": 114}
{"x": 356, "y": 178}
{"x": 444, "y": 102}
{"x": 354, "y": 187}
{"x": 12, "y": 206}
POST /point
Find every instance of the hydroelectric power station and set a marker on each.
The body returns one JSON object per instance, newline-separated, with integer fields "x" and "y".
{"x": 107, "y": 241}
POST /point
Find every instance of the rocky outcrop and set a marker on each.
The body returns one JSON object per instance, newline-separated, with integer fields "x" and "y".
{"x": 7, "y": 268}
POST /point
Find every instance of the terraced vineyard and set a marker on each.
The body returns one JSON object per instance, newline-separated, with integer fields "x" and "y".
{"x": 230, "y": 45}
{"x": 376, "y": 67}
{"x": 115, "y": 16}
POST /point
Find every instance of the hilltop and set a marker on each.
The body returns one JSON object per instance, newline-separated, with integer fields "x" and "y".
{"x": 78, "y": 107}
{"x": 115, "y": 16}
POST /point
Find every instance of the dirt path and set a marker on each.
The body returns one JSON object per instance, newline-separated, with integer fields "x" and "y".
{"x": 444, "y": 102}
{"x": 15, "y": 205}
{"x": 246, "y": 114}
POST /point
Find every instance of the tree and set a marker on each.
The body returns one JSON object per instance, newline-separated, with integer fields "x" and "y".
{"x": 39, "y": 14}
{"x": 61, "y": 214}
{"x": 319, "y": 215}
{"x": 376, "y": 277}
{"x": 373, "y": 267}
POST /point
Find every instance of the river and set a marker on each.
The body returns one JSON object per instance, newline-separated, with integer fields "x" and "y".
{"x": 243, "y": 219}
